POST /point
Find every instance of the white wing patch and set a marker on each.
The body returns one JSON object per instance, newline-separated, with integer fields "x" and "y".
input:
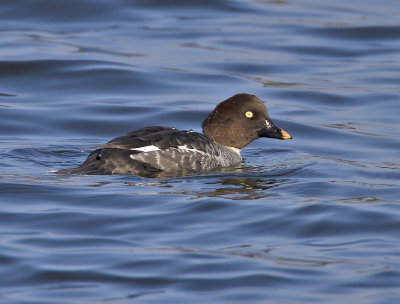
{"x": 146, "y": 149}
{"x": 236, "y": 150}
{"x": 184, "y": 156}
{"x": 154, "y": 148}
{"x": 184, "y": 147}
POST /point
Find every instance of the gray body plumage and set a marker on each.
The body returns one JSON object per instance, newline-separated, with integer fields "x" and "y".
{"x": 152, "y": 150}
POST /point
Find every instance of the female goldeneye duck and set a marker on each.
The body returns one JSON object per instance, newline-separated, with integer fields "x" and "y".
{"x": 232, "y": 125}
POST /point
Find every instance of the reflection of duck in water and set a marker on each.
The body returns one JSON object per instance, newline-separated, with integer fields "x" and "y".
{"x": 241, "y": 188}
{"x": 232, "y": 125}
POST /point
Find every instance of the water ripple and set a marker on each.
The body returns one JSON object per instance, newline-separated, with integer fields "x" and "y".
{"x": 317, "y": 215}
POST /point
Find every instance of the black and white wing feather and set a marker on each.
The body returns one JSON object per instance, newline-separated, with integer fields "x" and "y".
{"x": 160, "y": 148}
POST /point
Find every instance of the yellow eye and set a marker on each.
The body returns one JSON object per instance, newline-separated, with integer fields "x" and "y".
{"x": 249, "y": 114}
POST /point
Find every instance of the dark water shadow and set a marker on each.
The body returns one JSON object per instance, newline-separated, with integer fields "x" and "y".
{"x": 240, "y": 183}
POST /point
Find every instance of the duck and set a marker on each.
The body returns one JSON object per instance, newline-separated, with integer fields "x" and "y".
{"x": 153, "y": 150}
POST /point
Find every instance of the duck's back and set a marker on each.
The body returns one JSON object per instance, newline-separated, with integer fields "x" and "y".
{"x": 152, "y": 150}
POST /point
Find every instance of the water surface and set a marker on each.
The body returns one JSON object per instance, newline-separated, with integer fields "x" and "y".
{"x": 311, "y": 220}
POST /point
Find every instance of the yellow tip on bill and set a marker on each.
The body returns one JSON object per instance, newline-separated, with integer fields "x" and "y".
{"x": 285, "y": 135}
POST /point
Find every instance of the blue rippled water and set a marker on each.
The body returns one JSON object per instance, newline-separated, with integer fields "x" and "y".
{"x": 311, "y": 220}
